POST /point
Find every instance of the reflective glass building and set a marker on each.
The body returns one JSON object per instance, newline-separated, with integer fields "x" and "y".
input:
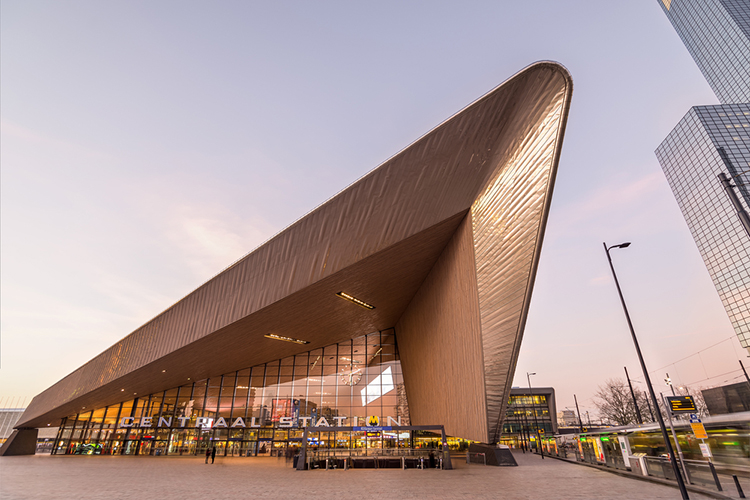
{"x": 691, "y": 162}
{"x": 713, "y": 140}
{"x": 717, "y": 35}
{"x": 527, "y": 411}
{"x": 401, "y": 300}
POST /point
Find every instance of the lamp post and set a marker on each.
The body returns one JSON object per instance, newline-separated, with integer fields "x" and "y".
{"x": 533, "y": 409}
{"x": 580, "y": 422}
{"x": 668, "y": 381}
{"x": 635, "y": 403}
{"x": 672, "y": 458}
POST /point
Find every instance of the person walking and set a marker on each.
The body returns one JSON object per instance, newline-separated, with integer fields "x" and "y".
{"x": 208, "y": 454}
{"x": 213, "y": 454}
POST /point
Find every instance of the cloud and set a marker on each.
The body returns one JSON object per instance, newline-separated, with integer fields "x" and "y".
{"x": 15, "y": 131}
{"x": 210, "y": 238}
{"x": 614, "y": 197}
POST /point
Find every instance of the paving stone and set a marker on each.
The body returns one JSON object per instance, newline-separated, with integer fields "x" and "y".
{"x": 45, "y": 477}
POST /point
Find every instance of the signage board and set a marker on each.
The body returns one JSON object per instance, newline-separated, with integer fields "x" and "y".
{"x": 705, "y": 450}
{"x": 699, "y": 430}
{"x": 681, "y": 404}
{"x": 373, "y": 428}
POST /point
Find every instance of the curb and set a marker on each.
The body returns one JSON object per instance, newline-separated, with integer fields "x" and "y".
{"x": 650, "y": 479}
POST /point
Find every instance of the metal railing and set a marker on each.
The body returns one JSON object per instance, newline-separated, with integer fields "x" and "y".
{"x": 393, "y": 458}
{"x": 476, "y": 458}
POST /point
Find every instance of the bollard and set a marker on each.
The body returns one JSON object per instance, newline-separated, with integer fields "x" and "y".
{"x": 739, "y": 487}
{"x": 716, "y": 477}
{"x": 403, "y": 463}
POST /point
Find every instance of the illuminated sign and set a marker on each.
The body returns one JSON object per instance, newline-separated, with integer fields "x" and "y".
{"x": 681, "y": 404}
{"x": 699, "y": 430}
{"x": 285, "y": 421}
{"x": 382, "y": 384}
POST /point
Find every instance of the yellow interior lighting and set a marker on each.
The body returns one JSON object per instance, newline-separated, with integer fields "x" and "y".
{"x": 285, "y": 339}
{"x": 348, "y": 297}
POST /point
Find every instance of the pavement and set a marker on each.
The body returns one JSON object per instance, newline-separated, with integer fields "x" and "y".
{"x": 184, "y": 478}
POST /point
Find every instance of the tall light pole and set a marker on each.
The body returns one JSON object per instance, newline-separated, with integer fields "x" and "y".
{"x": 533, "y": 409}
{"x": 668, "y": 381}
{"x": 635, "y": 403}
{"x": 672, "y": 458}
{"x": 580, "y": 422}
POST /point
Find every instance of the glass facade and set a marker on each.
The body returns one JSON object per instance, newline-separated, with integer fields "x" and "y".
{"x": 717, "y": 35}
{"x": 259, "y": 410}
{"x": 691, "y": 162}
{"x": 526, "y": 412}
{"x": 521, "y": 411}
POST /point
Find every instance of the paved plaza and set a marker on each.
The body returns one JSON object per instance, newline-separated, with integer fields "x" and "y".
{"x": 181, "y": 478}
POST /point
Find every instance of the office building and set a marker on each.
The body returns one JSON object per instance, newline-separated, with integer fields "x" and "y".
{"x": 706, "y": 158}
{"x": 717, "y": 35}
{"x": 530, "y": 413}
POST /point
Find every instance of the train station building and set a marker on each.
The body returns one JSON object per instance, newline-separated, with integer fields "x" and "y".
{"x": 401, "y": 301}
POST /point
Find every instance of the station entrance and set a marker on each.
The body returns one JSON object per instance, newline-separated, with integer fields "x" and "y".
{"x": 419, "y": 446}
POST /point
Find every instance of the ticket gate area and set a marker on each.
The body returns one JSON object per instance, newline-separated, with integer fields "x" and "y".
{"x": 370, "y": 447}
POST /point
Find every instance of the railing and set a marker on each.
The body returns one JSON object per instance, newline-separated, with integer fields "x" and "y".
{"x": 702, "y": 473}
{"x": 476, "y": 458}
{"x": 659, "y": 467}
{"x": 389, "y": 458}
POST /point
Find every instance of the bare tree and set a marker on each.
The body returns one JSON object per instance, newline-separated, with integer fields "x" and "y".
{"x": 614, "y": 402}
{"x": 696, "y": 392}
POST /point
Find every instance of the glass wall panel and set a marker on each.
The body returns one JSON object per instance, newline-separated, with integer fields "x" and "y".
{"x": 260, "y": 410}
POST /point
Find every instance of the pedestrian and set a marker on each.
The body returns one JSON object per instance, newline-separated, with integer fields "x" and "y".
{"x": 213, "y": 454}
{"x": 208, "y": 454}
{"x": 432, "y": 459}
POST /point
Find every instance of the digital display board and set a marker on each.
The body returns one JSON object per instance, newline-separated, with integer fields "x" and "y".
{"x": 681, "y": 404}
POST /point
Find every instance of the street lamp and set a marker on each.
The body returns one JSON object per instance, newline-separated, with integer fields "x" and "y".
{"x": 533, "y": 409}
{"x": 663, "y": 428}
{"x": 668, "y": 381}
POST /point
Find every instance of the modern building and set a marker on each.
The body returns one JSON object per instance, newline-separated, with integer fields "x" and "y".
{"x": 567, "y": 418}
{"x": 706, "y": 158}
{"x": 732, "y": 398}
{"x": 401, "y": 300}
{"x": 529, "y": 411}
{"x": 692, "y": 162}
{"x": 8, "y": 419}
{"x": 717, "y": 35}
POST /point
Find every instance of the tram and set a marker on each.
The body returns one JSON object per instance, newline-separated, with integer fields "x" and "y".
{"x": 728, "y": 442}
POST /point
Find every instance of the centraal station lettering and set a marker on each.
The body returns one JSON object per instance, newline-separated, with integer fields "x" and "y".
{"x": 239, "y": 422}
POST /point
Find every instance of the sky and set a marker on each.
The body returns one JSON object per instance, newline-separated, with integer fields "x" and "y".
{"x": 145, "y": 146}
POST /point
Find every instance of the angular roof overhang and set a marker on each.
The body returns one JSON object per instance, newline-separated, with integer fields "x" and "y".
{"x": 378, "y": 240}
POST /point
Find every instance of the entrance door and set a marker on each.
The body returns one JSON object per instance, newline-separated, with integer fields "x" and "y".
{"x": 279, "y": 449}
{"x": 130, "y": 447}
{"x": 145, "y": 447}
{"x": 234, "y": 448}
{"x": 264, "y": 447}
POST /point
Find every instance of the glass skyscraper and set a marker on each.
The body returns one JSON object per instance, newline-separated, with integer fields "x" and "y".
{"x": 691, "y": 161}
{"x": 706, "y": 158}
{"x": 717, "y": 35}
